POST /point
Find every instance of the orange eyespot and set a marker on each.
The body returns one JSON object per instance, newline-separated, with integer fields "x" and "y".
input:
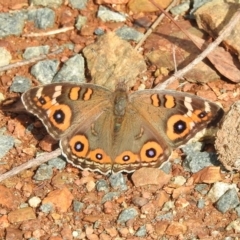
{"x": 99, "y": 156}
{"x": 127, "y": 157}
{"x": 79, "y": 145}
{"x": 151, "y": 152}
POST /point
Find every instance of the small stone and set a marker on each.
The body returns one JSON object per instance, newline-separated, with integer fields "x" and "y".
{"x": 106, "y": 15}
{"x": 141, "y": 232}
{"x": 147, "y": 176}
{"x": 110, "y": 196}
{"x": 11, "y": 24}
{"x": 166, "y": 167}
{"x": 180, "y": 9}
{"x": 165, "y": 217}
{"x": 218, "y": 189}
{"x": 112, "y": 231}
{"x": 78, "y": 4}
{"x": 58, "y": 163}
{"x": 32, "y": 52}
{"x": 47, "y": 207}
{"x": 61, "y": 199}
{"x": 148, "y": 208}
{"x": 13, "y": 234}
{"x": 168, "y": 206}
{"x": 118, "y": 182}
{"x": 6, "y": 143}
{"x": 162, "y": 198}
{"x": 237, "y": 209}
{"x": 102, "y": 185}
{"x": 22, "y": 214}
{"x": 43, "y": 18}
{"x": 201, "y": 203}
{"x": 34, "y": 202}
{"x": 47, "y": 3}
{"x": 5, "y": 56}
{"x": 77, "y": 206}
{"x": 128, "y": 33}
{"x": 6, "y": 197}
{"x": 176, "y": 228}
{"x": 72, "y": 70}
{"x": 44, "y": 71}
{"x": 227, "y": 201}
{"x": 44, "y": 172}
{"x": 108, "y": 207}
{"x": 139, "y": 201}
{"x": 127, "y": 214}
{"x": 90, "y": 186}
{"x": 234, "y": 225}
{"x": 4, "y": 223}
{"x": 20, "y": 84}
{"x": 178, "y": 181}
{"x": 81, "y": 21}
{"x": 202, "y": 188}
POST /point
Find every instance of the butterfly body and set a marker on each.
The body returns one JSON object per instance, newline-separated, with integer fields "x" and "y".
{"x": 107, "y": 131}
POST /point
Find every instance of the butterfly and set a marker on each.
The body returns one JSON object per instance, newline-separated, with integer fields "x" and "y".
{"x": 113, "y": 131}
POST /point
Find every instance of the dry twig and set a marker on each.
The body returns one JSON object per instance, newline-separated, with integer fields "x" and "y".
{"x": 31, "y": 163}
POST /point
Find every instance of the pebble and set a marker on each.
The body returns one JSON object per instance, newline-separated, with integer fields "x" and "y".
{"x": 196, "y": 160}
{"x": 90, "y": 186}
{"x": 44, "y": 172}
{"x": 106, "y": 15}
{"x": 32, "y": 52}
{"x": 165, "y": 217}
{"x": 20, "y": 84}
{"x": 110, "y": 196}
{"x": 176, "y": 228}
{"x": 7, "y": 197}
{"x": 77, "y": 206}
{"x": 118, "y": 182}
{"x": 43, "y": 18}
{"x": 168, "y": 206}
{"x": 58, "y": 163}
{"x": 11, "y": 24}
{"x": 181, "y": 8}
{"x": 4, "y": 223}
{"x": 13, "y": 234}
{"x": 78, "y": 4}
{"x": 218, "y": 189}
{"x": 21, "y": 214}
{"x": 178, "y": 181}
{"x": 227, "y": 201}
{"x": 6, "y": 143}
{"x": 237, "y": 209}
{"x": 72, "y": 70}
{"x": 139, "y": 201}
{"x": 81, "y": 21}
{"x": 127, "y": 214}
{"x": 166, "y": 167}
{"x": 147, "y": 176}
{"x": 202, "y": 188}
{"x": 34, "y": 202}
{"x": 141, "y": 232}
{"x": 60, "y": 198}
{"x": 99, "y": 31}
{"x": 46, "y": 207}
{"x": 47, "y": 3}
{"x": 128, "y": 33}
{"x": 201, "y": 203}
{"x": 102, "y": 185}
{"x": 235, "y": 225}
{"x": 45, "y": 70}
{"x": 5, "y": 56}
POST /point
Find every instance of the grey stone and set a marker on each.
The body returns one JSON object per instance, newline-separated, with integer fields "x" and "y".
{"x": 6, "y": 143}
{"x": 117, "y": 182}
{"x": 99, "y": 31}
{"x": 78, "y": 4}
{"x": 227, "y": 201}
{"x": 181, "y": 8}
{"x": 46, "y": 207}
{"x": 81, "y": 21}
{"x": 72, "y": 70}
{"x": 47, "y": 3}
{"x": 77, "y": 206}
{"x": 141, "y": 232}
{"x": 44, "y": 71}
{"x": 237, "y": 209}
{"x": 43, "y": 172}
{"x": 20, "y": 84}
{"x": 110, "y": 196}
{"x": 43, "y": 18}
{"x": 32, "y": 52}
{"x": 127, "y": 214}
{"x": 58, "y": 163}
{"x": 11, "y": 24}
{"x": 102, "y": 185}
{"x": 168, "y": 217}
{"x": 5, "y": 56}
{"x": 166, "y": 167}
{"x": 201, "y": 203}
{"x": 106, "y": 15}
{"x": 196, "y": 160}
{"x": 128, "y": 33}
{"x": 202, "y": 188}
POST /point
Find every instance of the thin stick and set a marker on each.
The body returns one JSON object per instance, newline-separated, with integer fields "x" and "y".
{"x": 155, "y": 24}
{"x": 223, "y": 34}
{"x": 33, "y": 60}
{"x": 42, "y": 34}
{"x": 31, "y": 163}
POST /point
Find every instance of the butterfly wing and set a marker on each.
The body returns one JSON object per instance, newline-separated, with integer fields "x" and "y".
{"x": 65, "y": 107}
